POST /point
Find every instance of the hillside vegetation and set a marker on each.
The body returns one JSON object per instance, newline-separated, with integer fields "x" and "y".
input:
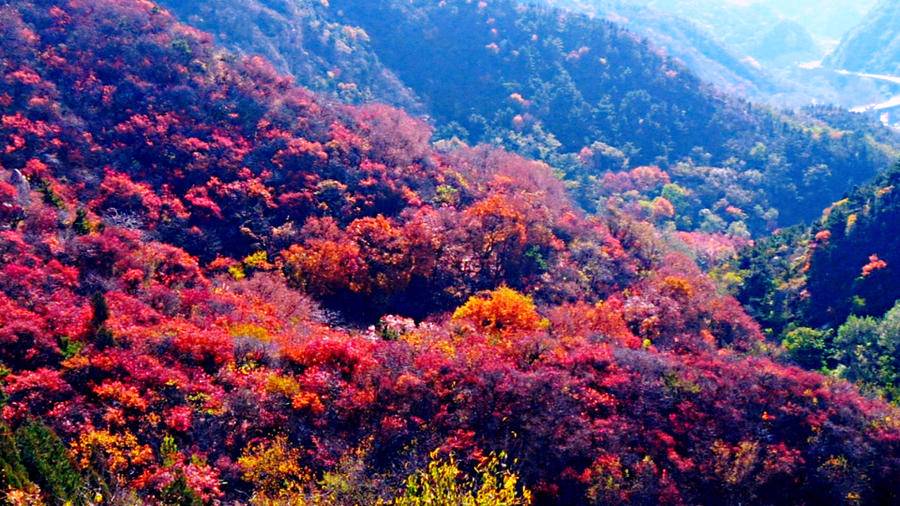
{"x": 582, "y": 94}
{"x": 193, "y": 249}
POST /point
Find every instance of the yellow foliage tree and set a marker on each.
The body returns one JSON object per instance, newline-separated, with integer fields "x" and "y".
{"x": 502, "y": 312}
{"x": 443, "y": 484}
{"x": 115, "y": 453}
{"x": 275, "y": 471}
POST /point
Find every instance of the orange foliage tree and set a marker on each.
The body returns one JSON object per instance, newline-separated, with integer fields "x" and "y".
{"x": 501, "y": 312}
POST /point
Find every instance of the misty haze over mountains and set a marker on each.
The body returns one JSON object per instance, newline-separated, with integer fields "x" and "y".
{"x": 778, "y": 43}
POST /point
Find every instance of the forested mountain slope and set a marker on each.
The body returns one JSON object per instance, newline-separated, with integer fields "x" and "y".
{"x": 832, "y": 290}
{"x": 554, "y": 85}
{"x": 300, "y": 38}
{"x": 548, "y": 82}
{"x": 696, "y": 46}
{"x": 171, "y": 216}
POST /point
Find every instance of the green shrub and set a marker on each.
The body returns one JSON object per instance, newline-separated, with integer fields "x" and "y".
{"x": 48, "y": 464}
{"x": 178, "y": 493}
{"x": 13, "y": 474}
{"x": 806, "y": 347}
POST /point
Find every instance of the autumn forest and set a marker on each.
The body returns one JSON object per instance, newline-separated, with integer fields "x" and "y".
{"x": 429, "y": 269}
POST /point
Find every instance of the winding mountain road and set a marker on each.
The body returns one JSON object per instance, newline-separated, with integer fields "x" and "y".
{"x": 881, "y": 106}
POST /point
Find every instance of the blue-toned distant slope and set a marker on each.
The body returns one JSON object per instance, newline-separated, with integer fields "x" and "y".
{"x": 874, "y": 45}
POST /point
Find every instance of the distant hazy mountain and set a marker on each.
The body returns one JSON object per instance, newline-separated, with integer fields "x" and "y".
{"x": 765, "y": 50}
{"x": 737, "y": 25}
{"x": 742, "y": 24}
{"x": 825, "y": 20}
{"x": 874, "y": 45}
{"x": 785, "y": 43}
